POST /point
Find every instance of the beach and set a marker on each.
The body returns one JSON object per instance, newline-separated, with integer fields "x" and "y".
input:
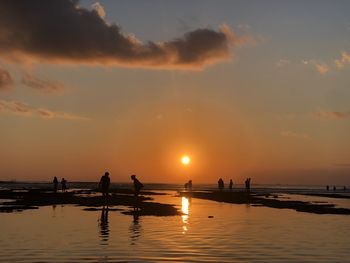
{"x": 200, "y": 230}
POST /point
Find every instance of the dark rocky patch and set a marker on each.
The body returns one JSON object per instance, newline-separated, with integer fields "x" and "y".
{"x": 259, "y": 200}
{"x": 32, "y": 199}
{"x": 152, "y": 209}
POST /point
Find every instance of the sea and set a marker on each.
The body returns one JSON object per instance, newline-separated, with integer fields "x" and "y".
{"x": 207, "y": 231}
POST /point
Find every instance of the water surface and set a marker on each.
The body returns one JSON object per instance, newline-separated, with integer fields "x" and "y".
{"x": 207, "y": 231}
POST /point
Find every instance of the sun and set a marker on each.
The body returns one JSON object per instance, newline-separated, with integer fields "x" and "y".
{"x": 185, "y": 160}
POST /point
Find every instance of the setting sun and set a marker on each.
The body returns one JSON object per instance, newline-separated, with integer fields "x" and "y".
{"x": 185, "y": 160}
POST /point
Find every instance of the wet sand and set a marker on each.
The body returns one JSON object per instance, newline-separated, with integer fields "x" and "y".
{"x": 19, "y": 200}
{"x": 267, "y": 200}
{"x": 16, "y": 200}
{"x": 338, "y": 196}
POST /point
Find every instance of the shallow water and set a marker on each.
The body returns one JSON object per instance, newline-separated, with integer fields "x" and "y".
{"x": 338, "y": 202}
{"x": 207, "y": 232}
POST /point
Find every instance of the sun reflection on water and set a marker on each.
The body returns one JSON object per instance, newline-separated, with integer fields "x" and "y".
{"x": 185, "y": 212}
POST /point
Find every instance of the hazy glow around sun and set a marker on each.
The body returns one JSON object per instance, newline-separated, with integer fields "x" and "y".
{"x": 185, "y": 160}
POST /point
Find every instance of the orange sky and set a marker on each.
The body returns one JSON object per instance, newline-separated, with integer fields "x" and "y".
{"x": 242, "y": 92}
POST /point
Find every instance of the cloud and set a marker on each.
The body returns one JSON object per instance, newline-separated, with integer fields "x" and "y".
{"x": 295, "y": 135}
{"x": 6, "y": 80}
{"x": 322, "y": 68}
{"x": 99, "y": 9}
{"x": 42, "y": 85}
{"x": 282, "y": 62}
{"x": 245, "y": 27}
{"x": 343, "y": 60}
{"x": 23, "y": 109}
{"x": 62, "y": 31}
{"x": 332, "y": 115}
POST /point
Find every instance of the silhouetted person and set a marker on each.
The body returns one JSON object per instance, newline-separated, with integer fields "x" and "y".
{"x": 137, "y": 185}
{"x": 247, "y": 184}
{"x": 344, "y": 188}
{"x": 334, "y": 188}
{"x": 327, "y": 187}
{"x": 190, "y": 185}
{"x": 231, "y": 184}
{"x": 104, "y": 185}
{"x": 221, "y": 184}
{"x": 64, "y": 184}
{"x": 55, "y": 184}
{"x": 104, "y": 230}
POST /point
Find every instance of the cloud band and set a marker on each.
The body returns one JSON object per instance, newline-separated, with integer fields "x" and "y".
{"x": 62, "y": 31}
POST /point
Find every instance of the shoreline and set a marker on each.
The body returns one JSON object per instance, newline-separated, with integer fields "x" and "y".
{"x": 259, "y": 199}
{"x": 16, "y": 200}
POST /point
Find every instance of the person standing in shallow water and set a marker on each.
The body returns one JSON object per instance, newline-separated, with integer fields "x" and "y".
{"x": 64, "y": 185}
{"x": 55, "y": 184}
{"x": 137, "y": 185}
{"x": 190, "y": 185}
{"x": 104, "y": 185}
{"x": 221, "y": 184}
{"x": 231, "y": 184}
{"x": 247, "y": 184}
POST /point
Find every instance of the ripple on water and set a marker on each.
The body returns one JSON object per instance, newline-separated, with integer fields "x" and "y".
{"x": 236, "y": 233}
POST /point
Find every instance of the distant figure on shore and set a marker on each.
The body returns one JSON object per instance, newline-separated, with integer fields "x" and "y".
{"x": 64, "y": 185}
{"x": 327, "y": 187}
{"x": 104, "y": 185}
{"x": 247, "y": 184}
{"x": 231, "y": 184}
{"x": 188, "y": 185}
{"x": 221, "y": 184}
{"x": 334, "y": 188}
{"x": 55, "y": 184}
{"x": 137, "y": 185}
{"x": 344, "y": 188}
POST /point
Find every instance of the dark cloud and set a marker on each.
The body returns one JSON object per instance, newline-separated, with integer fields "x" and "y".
{"x": 23, "y": 109}
{"x": 62, "y": 31}
{"x": 42, "y": 85}
{"x": 6, "y": 80}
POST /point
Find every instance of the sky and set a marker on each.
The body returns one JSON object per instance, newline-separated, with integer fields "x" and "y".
{"x": 254, "y": 89}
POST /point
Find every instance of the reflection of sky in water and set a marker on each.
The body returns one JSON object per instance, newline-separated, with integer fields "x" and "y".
{"x": 235, "y": 233}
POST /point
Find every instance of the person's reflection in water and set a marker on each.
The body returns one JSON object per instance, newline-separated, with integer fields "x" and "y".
{"x": 103, "y": 224}
{"x": 135, "y": 227}
{"x": 53, "y": 210}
